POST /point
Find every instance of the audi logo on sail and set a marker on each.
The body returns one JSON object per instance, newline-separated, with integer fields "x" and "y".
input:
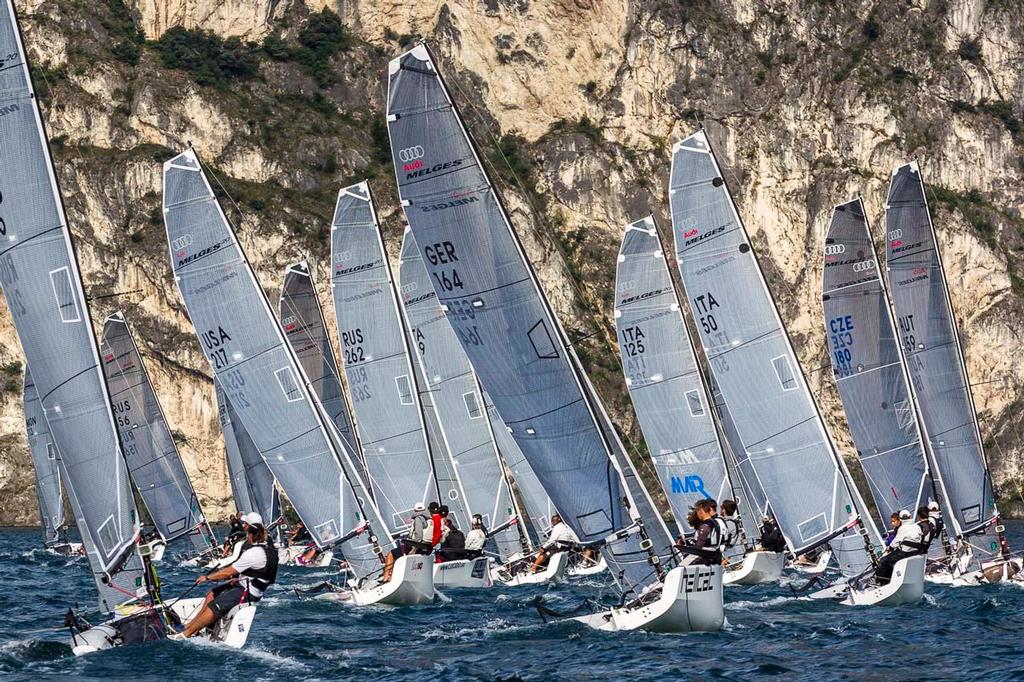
{"x": 863, "y": 266}
{"x": 182, "y": 241}
{"x": 835, "y": 249}
{"x": 410, "y": 153}
{"x": 895, "y": 234}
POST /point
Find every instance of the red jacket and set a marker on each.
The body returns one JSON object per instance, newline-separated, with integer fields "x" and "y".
{"x": 436, "y": 519}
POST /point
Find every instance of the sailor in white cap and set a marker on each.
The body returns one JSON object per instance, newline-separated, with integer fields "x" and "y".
{"x": 906, "y": 544}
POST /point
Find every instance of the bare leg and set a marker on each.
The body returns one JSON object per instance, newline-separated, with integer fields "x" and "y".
{"x": 205, "y": 618}
{"x": 389, "y": 566}
{"x": 539, "y": 561}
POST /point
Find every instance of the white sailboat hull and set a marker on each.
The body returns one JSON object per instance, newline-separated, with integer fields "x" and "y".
{"x": 464, "y": 573}
{"x": 757, "y": 568}
{"x": 818, "y": 567}
{"x": 690, "y": 601}
{"x": 68, "y": 549}
{"x": 991, "y": 572}
{"x": 554, "y": 572}
{"x": 592, "y": 569}
{"x": 412, "y": 583}
{"x": 905, "y": 587}
{"x": 289, "y": 556}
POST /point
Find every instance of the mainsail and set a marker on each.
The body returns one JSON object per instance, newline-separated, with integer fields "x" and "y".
{"x": 931, "y": 345}
{"x": 252, "y": 482}
{"x": 306, "y": 331}
{"x": 449, "y": 379}
{"x": 663, "y": 377}
{"x": 268, "y": 390}
{"x": 868, "y": 368}
{"x": 506, "y": 327}
{"x": 375, "y": 353}
{"x": 43, "y": 287}
{"x": 153, "y": 458}
{"x": 44, "y": 460}
{"x": 777, "y": 422}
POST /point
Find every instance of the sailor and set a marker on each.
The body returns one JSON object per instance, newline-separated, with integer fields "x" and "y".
{"x": 443, "y": 513}
{"x": 299, "y": 535}
{"x": 935, "y": 517}
{"x": 924, "y": 522}
{"x": 730, "y": 521}
{"x": 432, "y": 532}
{"x": 560, "y": 539}
{"x": 705, "y": 549}
{"x": 895, "y": 525}
{"x": 476, "y": 538}
{"x": 906, "y": 544}
{"x": 772, "y": 539}
{"x": 417, "y": 541}
{"x": 454, "y": 544}
{"x": 247, "y": 578}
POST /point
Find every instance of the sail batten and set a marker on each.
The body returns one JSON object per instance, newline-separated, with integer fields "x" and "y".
{"x": 779, "y": 431}
{"x": 504, "y": 323}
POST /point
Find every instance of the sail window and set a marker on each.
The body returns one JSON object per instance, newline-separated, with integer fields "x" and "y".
{"x": 404, "y": 389}
{"x": 543, "y": 346}
{"x": 694, "y": 403}
{"x": 472, "y": 405}
{"x": 596, "y": 522}
{"x": 64, "y": 292}
{"x": 51, "y": 451}
{"x": 813, "y": 528}
{"x": 904, "y": 413}
{"x": 326, "y": 531}
{"x": 785, "y": 373}
{"x": 971, "y": 514}
{"x": 290, "y": 387}
{"x": 107, "y": 535}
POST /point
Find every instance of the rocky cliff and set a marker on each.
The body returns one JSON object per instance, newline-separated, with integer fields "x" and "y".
{"x": 575, "y": 104}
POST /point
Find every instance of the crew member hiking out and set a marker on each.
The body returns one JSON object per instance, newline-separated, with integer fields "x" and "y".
{"x": 706, "y": 547}
{"x": 476, "y": 538}
{"x": 454, "y": 545}
{"x": 731, "y": 529}
{"x": 907, "y": 543}
{"x": 560, "y": 538}
{"x": 246, "y": 579}
{"x": 772, "y": 539}
{"x": 415, "y": 541}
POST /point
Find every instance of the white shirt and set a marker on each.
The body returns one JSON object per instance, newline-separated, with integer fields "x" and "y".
{"x": 475, "y": 540}
{"x": 560, "y": 533}
{"x": 256, "y": 558}
{"x": 907, "y": 532}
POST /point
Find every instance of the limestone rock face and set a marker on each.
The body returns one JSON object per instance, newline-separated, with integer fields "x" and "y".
{"x": 574, "y": 105}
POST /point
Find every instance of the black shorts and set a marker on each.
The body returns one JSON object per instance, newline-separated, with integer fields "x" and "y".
{"x": 226, "y": 597}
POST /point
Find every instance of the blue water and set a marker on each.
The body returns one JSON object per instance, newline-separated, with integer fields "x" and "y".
{"x": 956, "y": 633}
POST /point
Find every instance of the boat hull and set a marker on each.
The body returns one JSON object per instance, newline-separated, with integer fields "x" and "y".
{"x": 578, "y": 569}
{"x": 232, "y": 630}
{"x": 905, "y": 587}
{"x": 757, "y": 568}
{"x": 690, "y": 601}
{"x": 818, "y": 567}
{"x": 289, "y": 556}
{"x": 552, "y": 573}
{"x": 412, "y": 583}
{"x": 463, "y": 573}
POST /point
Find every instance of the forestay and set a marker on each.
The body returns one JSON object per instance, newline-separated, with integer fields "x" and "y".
{"x": 44, "y": 460}
{"x": 375, "y": 354}
{"x": 663, "y": 377}
{"x": 306, "y": 331}
{"x": 153, "y": 459}
{"x": 246, "y": 349}
{"x": 41, "y": 282}
{"x": 503, "y": 322}
{"x": 252, "y": 482}
{"x": 934, "y": 357}
{"x": 449, "y": 379}
{"x": 777, "y": 422}
{"x": 868, "y": 369}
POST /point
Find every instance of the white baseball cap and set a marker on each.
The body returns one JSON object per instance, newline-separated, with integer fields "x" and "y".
{"x": 253, "y": 519}
{"x": 418, "y": 507}
{"x": 904, "y": 514}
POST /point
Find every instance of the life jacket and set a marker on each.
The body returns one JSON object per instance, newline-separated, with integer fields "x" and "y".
{"x": 262, "y": 578}
{"x": 937, "y": 524}
{"x": 730, "y": 531}
{"x": 927, "y": 535}
{"x": 711, "y": 552}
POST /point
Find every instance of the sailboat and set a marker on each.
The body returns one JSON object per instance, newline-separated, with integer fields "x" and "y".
{"x": 45, "y": 458}
{"x": 934, "y": 357}
{"x": 153, "y": 459}
{"x": 464, "y": 423}
{"x": 524, "y": 360}
{"x": 669, "y": 394}
{"x": 778, "y": 425}
{"x": 43, "y": 287}
{"x": 306, "y": 333}
{"x": 405, "y": 466}
{"x": 270, "y": 394}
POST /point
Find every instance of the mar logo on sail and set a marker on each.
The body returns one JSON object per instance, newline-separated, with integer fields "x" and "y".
{"x": 689, "y": 484}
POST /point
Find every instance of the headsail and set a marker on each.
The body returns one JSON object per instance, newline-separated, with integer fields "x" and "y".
{"x": 663, "y": 377}
{"x": 153, "y": 458}
{"x": 43, "y": 287}
{"x": 246, "y": 349}
{"x": 504, "y": 323}
{"x": 252, "y": 482}
{"x": 306, "y": 331}
{"x": 375, "y": 353}
{"x": 868, "y": 368}
{"x": 44, "y": 459}
{"x": 931, "y": 345}
{"x": 749, "y": 353}
{"x": 449, "y": 379}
